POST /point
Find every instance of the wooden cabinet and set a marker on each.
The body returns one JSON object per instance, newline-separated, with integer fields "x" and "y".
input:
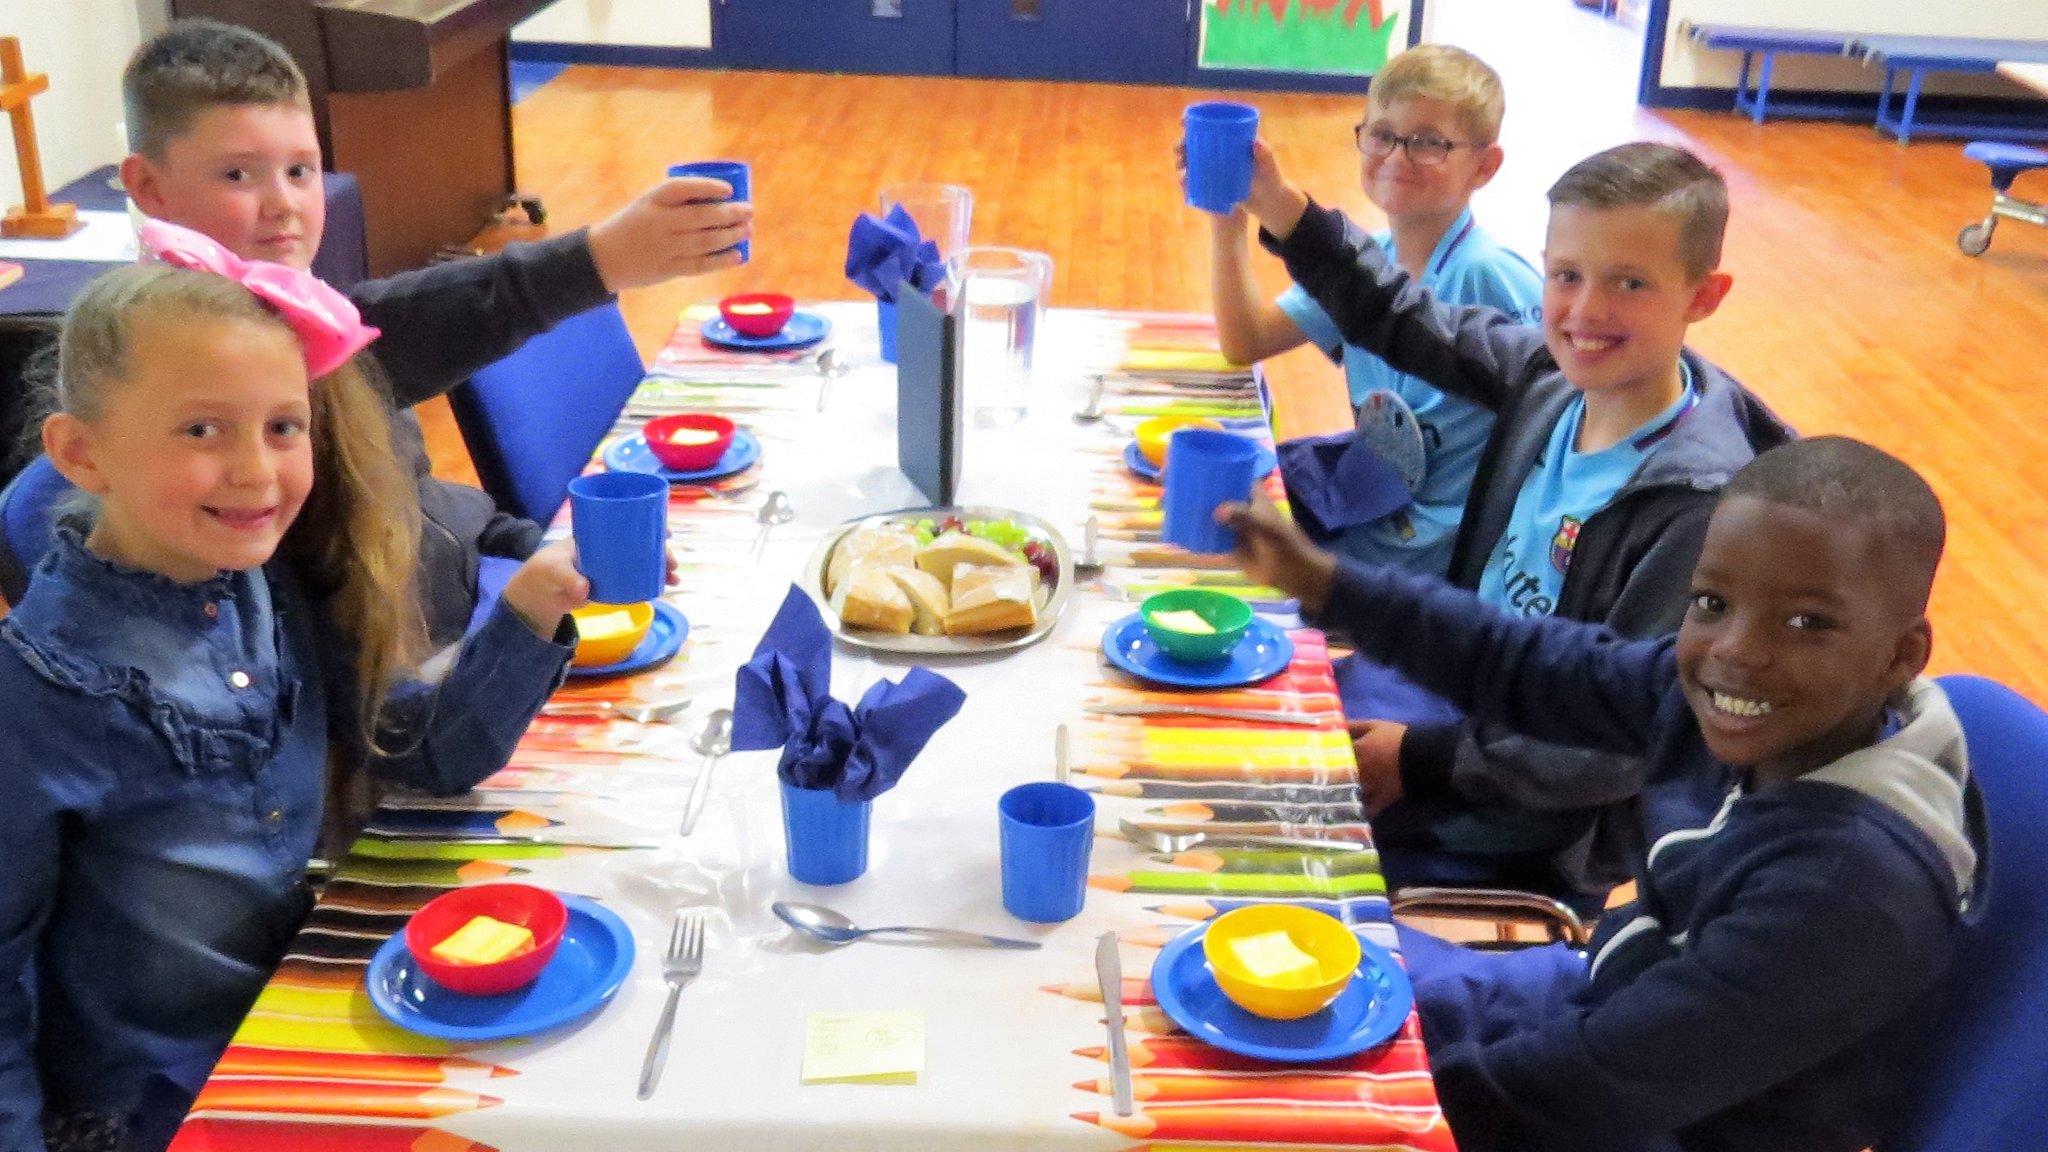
{"x": 1114, "y": 41}
{"x": 881, "y": 37}
{"x": 410, "y": 96}
{"x": 1128, "y": 41}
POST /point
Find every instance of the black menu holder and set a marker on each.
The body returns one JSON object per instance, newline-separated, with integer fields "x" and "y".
{"x": 928, "y": 403}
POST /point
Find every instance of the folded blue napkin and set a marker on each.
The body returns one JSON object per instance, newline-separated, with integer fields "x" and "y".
{"x": 784, "y": 700}
{"x": 884, "y": 254}
{"x": 1336, "y": 482}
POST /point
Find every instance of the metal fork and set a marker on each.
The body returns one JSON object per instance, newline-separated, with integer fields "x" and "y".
{"x": 685, "y": 959}
{"x": 655, "y": 713}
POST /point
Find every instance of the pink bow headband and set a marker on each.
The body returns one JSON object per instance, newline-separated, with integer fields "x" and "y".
{"x": 328, "y": 326}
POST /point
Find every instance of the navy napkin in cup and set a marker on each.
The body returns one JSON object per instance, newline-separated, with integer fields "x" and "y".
{"x": 784, "y": 700}
{"x": 884, "y": 253}
{"x": 1336, "y": 482}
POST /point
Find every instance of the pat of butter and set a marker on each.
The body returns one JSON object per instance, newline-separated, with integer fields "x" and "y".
{"x": 484, "y": 941}
{"x": 692, "y": 436}
{"x": 603, "y": 624}
{"x": 1184, "y": 620}
{"x": 751, "y": 309}
{"x": 1273, "y": 958}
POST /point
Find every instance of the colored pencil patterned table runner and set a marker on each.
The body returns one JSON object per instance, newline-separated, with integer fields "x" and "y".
{"x": 1226, "y": 776}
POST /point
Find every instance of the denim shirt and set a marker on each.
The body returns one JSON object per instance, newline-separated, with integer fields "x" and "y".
{"x": 163, "y": 755}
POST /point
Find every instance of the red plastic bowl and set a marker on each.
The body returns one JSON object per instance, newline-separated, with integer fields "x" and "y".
{"x": 661, "y": 430}
{"x": 761, "y": 314}
{"x": 538, "y": 910}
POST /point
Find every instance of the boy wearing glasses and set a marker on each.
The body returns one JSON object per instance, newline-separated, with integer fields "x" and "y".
{"x": 1426, "y": 144}
{"x": 1590, "y": 502}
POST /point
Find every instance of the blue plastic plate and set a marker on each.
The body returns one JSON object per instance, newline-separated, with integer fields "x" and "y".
{"x": 1369, "y": 1011}
{"x": 803, "y": 330}
{"x": 665, "y": 636}
{"x": 1143, "y": 469}
{"x": 1263, "y": 653}
{"x": 592, "y": 962}
{"x": 631, "y": 454}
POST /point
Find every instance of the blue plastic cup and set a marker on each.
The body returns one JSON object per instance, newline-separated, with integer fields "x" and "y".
{"x": 1218, "y": 140}
{"x": 1205, "y": 468}
{"x": 885, "y": 318}
{"x": 621, "y": 526}
{"x": 733, "y": 172}
{"x": 827, "y": 837}
{"x": 1047, "y": 831}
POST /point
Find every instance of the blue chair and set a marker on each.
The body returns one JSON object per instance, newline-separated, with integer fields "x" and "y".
{"x": 532, "y": 420}
{"x": 2008, "y": 162}
{"x": 1984, "y": 1082}
{"x": 27, "y": 511}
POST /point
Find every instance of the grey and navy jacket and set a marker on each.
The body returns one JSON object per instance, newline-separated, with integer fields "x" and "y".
{"x": 1632, "y": 564}
{"x": 1786, "y": 950}
{"x": 440, "y": 325}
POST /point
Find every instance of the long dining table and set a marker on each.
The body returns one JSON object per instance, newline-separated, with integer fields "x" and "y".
{"x": 1014, "y": 1042}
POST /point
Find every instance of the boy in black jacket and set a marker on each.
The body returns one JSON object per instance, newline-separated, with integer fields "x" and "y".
{"x": 1589, "y": 502}
{"x": 224, "y": 144}
{"x": 1813, "y": 835}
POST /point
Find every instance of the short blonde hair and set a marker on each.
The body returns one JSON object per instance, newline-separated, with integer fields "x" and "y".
{"x": 1452, "y": 75}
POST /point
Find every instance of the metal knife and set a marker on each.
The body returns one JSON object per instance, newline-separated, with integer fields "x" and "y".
{"x": 1297, "y": 719}
{"x": 1109, "y": 973}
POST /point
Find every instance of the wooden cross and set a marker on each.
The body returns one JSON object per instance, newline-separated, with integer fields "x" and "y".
{"x": 37, "y": 217}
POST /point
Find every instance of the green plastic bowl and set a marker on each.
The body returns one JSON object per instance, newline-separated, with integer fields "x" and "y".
{"x": 1227, "y": 614}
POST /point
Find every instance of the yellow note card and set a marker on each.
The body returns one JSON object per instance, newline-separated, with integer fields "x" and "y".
{"x": 864, "y": 1047}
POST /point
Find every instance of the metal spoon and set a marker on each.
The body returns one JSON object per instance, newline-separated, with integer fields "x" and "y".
{"x": 829, "y": 369}
{"x": 713, "y": 740}
{"x": 1160, "y": 841}
{"x": 821, "y": 923}
{"x": 776, "y": 509}
{"x": 1090, "y": 412}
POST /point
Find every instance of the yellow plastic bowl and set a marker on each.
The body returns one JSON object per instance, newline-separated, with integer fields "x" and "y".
{"x": 1152, "y": 434}
{"x": 1321, "y": 936}
{"x": 609, "y": 647}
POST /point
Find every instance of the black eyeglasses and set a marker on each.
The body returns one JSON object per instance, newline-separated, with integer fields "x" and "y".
{"x": 1427, "y": 151}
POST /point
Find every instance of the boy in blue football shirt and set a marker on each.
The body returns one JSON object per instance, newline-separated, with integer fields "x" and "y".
{"x": 1591, "y": 497}
{"x": 1429, "y": 140}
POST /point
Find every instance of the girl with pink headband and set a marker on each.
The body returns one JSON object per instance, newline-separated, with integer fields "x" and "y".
{"x": 232, "y": 614}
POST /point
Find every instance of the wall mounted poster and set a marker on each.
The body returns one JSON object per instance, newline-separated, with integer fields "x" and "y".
{"x": 1338, "y": 37}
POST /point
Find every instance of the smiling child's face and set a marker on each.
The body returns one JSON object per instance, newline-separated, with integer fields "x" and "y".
{"x": 201, "y": 456}
{"x": 1617, "y": 297}
{"x": 1800, "y": 630}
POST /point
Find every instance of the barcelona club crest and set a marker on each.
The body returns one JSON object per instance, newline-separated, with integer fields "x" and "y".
{"x": 1562, "y": 543}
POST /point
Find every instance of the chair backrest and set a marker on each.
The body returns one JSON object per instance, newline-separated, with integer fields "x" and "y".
{"x": 1984, "y": 1084}
{"x": 28, "y": 512}
{"x": 532, "y": 420}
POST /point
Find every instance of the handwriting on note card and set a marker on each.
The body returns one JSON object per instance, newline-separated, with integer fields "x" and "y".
{"x": 864, "y": 1047}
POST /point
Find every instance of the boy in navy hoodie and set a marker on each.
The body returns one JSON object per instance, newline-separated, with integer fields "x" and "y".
{"x": 1812, "y": 833}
